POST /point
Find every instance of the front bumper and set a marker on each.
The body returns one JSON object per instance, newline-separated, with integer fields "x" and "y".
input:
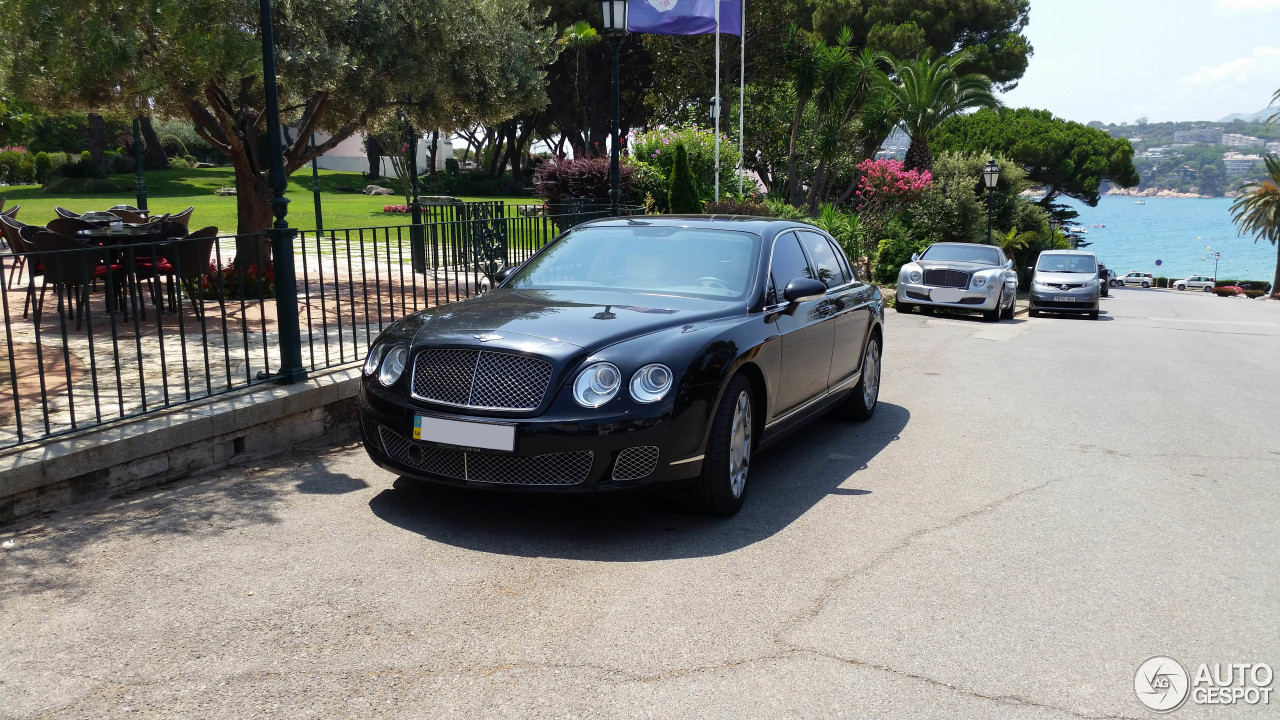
{"x": 1082, "y": 300}
{"x": 567, "y": 449}
{"x": 985, "y": 299}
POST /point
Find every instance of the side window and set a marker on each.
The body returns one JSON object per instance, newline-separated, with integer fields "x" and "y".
{"x": 849, "y": 272}
{"x": 789, "y": 263}
{"x": 830, "y": 271}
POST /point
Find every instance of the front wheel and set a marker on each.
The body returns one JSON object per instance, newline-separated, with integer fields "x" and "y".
{"x": 1033, "y": 312}
{"x": 1181, "y": 286}
{"x": 862, "y": 401}
{"x": 1010, "y": 311}
{"x": 1093, "y": 315}
{"x": 1146, "y": 285}
{"x": 902, "y": 307}
{"x": 723, "y": 483}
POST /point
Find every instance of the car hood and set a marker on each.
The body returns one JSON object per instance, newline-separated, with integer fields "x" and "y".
{"x": 955, "y": 265}
{"x": 1056, "y": 278}
{"x": 541, "y": 320}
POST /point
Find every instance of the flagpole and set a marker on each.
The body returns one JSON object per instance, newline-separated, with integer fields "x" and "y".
{"x": 716, "y": 106}
{"x": 742, "y": 96}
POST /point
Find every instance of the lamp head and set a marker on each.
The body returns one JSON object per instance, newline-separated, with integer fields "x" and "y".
{"x": 614, "y": 17}
{"x": 991, "y": 174}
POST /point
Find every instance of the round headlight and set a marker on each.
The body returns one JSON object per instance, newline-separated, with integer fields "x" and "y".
{"x": 914, "y": 276}
{"x": 597, "y": 385}
{"x": 979, "y": 281}
{"x": 375, "y": 357}
{"x": 393, "y": 365}
{"x": 650, "y": 383}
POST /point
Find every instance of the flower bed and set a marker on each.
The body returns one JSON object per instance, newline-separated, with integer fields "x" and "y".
{"x": 396, "y": 209}
{"x": 1228, "y": 291}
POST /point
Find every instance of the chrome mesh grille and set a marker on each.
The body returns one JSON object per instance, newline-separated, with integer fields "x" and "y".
{"x": 566, "y": 468}
{"x": 946, "y": 278}
{"x": 480, "y": 379}
{"x": 635, "y": 463}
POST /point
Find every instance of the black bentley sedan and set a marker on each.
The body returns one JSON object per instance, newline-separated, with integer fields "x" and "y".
{"x": 629, "y": 351}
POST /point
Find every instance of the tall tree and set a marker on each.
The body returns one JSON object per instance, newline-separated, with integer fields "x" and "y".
{"x": 1257, "y": 211}
{"x": 991, "y": 30}
{"x": 341, "y": 63}
{"x": 1066, "y": 158}
{"x": 926, "y": 93}
{"x": 578, "y": 38}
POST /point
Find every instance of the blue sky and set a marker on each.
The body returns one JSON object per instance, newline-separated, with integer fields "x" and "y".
{"x": 1168, "y": 60}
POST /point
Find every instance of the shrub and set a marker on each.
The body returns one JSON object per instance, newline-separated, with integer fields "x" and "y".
{"x": 396, "y": 209}
{"x": 1265, "y": 287}
{"x": 1228, "y": 291}
{"x": 179, "y": 163}
{"x": 64, "y": 185}
{"x": 848, "y": 234}
{"x": 120, "y": 163}
{"x": 10, "y": 166}
{"x": 173, "y": 146}
{"x": 658, "y": 148}
{"x": 683, "y": 190}
{"x": 26, "y": 170}
{"x": 734, "y": 206}
{"x": 44, "y": 165}
{"x": 649, "y": 180}
{"x": 559, "y": 180}
{"x": 233, "y": 284}
{"x": 1162, "y": 282}
{"x": 451, "y": 167}
{"x": 784, "y": 210}
{"x": 893, "y": 253}
{"x": 1255, "y": 293}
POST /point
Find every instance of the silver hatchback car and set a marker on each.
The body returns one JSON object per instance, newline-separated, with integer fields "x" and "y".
{"x": 1065, "y": 281}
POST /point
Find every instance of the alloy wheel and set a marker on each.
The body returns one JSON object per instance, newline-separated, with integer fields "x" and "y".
{"x": 740, "y": 444}
{"x": 871, "y": 374}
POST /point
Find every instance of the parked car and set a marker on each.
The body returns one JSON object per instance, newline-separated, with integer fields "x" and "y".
{"x": 625, "y": 352}
{"x": 1113, "y": 280}
{"x": 961, "y": 276}
{"x": 1196, "y": 282}
{"x": 1065, "y": 281}
{"x": 1106, "y": 276}
{"x": 1137, "y": 278}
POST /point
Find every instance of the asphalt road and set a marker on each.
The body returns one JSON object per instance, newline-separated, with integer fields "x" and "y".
{"x": 1037, "y": 507}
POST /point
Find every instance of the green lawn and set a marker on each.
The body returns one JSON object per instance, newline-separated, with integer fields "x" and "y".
{"x": 176, "y": 190}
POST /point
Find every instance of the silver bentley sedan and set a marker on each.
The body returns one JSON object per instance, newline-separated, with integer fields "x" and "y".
{"x": 960, "y": 276}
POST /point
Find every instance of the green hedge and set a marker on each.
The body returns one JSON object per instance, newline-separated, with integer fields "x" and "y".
{"x": 1265, "y": 287}
{"x": 1162, "y": 282}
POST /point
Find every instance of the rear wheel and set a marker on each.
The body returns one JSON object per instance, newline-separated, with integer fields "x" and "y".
{"x": 1208, "y": 288}
{"x": 723, "y": 483}
{"x": 861, "y": 403}
{"x": 1146, "y": 284}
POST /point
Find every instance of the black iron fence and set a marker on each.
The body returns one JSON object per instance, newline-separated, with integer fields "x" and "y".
{"x": 119, "y": 327}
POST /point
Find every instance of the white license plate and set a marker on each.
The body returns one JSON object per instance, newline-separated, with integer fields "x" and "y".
{"x": 1063, "y": 298}
{"x": 946, "y": 295}
{"x": 485, "y": 436}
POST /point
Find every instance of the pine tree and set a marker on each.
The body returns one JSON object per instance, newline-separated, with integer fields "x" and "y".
{"x": 684, "y": 188}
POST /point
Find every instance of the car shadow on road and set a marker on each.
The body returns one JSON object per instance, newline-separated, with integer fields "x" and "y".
{"x": 653, "y": 523}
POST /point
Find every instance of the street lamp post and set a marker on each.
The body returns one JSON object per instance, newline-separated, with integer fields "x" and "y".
{"x": 1216, "y": 257}
{"x": 614, "y": 15}
{"x": 990, "y": 177}
{"x": 291, "y": 370}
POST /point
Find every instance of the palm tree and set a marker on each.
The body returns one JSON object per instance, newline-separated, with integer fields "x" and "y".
{"x": 579, "y": 37}
{"x": 929, "y": 92}
{"x": 1257, "y": 211}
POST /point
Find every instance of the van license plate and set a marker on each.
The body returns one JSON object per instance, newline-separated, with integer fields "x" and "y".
{"x": 1063, "y": 298}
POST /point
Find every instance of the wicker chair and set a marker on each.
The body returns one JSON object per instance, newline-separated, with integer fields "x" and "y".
{"x": 130, "y": 208}
{"x": 11, "y": 212}
{"x": 71, "y": 266}
{"x": 65, "y": 213}
{"x": 70, "y": 226}
{"x": 183, "y": 217}
{"x": 129, "y": 216}
{"x": 185, "y": 265}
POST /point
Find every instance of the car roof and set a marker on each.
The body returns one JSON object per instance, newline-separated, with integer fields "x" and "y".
{"x": 765, "y": 226}
{"x": 1069, "y": 252}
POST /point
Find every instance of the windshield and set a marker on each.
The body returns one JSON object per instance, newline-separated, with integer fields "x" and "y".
{"x": 984, "y": 254}
{"x": 1067, "y": 264}
{"x": 664, "y": 260}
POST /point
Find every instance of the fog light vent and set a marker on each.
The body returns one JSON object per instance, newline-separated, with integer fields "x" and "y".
{"x": 635, "y": 463}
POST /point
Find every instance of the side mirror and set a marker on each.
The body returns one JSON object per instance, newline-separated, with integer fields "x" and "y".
{"x": 915, "y": 257}
{"x": 502, "y": 275}
{"x": 1008, "y": 264}
{"x": 803, "y": 290}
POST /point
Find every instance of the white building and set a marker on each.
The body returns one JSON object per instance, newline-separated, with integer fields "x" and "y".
{"x": 349, "y": 155}
{"x": 1238, "y": 140}
{"x": 1238, "y": 164}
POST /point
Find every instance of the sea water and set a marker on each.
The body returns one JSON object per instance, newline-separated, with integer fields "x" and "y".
{"x": 1176, "y": 232}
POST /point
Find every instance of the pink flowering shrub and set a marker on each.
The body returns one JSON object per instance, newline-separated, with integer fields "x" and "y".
{"x": 1228, "y": 291}
{"x": 396, "y": 209}
{"x": 886, "y": 182}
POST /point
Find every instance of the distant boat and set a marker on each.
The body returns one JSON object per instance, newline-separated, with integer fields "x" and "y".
{"x": 1100, "y": 226}
{"x": 1139, "y": 202}
{"x": 1078, "y": 229}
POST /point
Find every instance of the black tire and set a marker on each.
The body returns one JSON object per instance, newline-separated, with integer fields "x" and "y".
{"x": 1146, "y": 285}
{"x": 861, "y": 404}
{"x": 1093, "y": 315}
{"x": 1181, "y": 286}
{"x": 714, "y": 489}
{"x": 902, "y": 307}
{"x": 1033, "y": 312}
{"x": 1012, "y": 309}
{"x": 1208, "y": 289}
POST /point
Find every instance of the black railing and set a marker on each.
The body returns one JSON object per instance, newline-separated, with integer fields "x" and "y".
{"x": 111, "y": 331}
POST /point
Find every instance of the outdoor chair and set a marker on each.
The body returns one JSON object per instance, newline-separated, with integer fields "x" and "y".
{"x": 128, "y": 216}
{"x": 11, "y": 212}
{"x": 71, "y": 266}
{"x": 65, "y": 213}
{"x": 70, "y": 226}
{"x": 12, "y": 231}
{"x": 185, "y": 265}
{"x": 130, "y": 208}
{"x": 183, "y": 217}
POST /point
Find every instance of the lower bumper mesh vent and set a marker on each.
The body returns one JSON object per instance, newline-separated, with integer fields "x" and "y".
{"x": 566, "y": 468}
{"x": 635, "y": 463}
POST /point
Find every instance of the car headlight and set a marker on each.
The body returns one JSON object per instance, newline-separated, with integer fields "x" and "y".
{"x": 650, "y": 383}
{"x": 979, "y": 281}
{"x": 914, "y": 276}
{"x": 1042, "y": 285}
{"x": 393, "y": 365}
{"x": 375, "y": 357}
{"x": 597, "y": 385}
{"x": 1092, "y": 283}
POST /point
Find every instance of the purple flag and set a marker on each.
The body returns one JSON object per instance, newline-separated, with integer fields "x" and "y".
{"x": 684, "y": 17}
